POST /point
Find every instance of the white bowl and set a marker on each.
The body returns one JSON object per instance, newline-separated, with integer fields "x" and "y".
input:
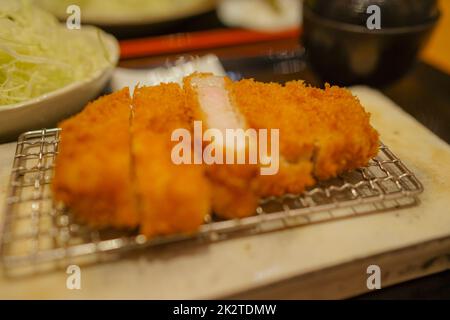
{"x": 95, "y": 12}
{"x": 46, "y": 110}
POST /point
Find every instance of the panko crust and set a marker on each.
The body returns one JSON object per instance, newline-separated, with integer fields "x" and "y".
{"x": 171, "y": 198}
{"x": 92, "y": 169}
{"x": 234, "y": 194}
{"x": 114, "y": 166}
{"x": 327, "y": 127}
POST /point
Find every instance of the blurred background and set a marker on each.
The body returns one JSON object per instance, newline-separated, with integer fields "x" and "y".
{"x": 408, "y": 59}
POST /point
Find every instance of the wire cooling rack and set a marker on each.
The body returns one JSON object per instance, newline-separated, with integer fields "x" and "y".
{"x": 39, "y": 235}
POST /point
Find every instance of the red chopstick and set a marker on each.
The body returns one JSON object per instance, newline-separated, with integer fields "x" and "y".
{"x": 183, "y": 42}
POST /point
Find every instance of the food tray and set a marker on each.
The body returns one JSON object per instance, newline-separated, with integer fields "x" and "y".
{"x": 39, "y": 235}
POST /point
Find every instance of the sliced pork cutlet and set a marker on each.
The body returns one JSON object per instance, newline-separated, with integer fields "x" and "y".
{"x": 233, "y": 189}
{"x": 171, "y": 198}
{"x": 93, "y": 172}
{"x": 262, "y": 105}
{"x": 328, "y": 127}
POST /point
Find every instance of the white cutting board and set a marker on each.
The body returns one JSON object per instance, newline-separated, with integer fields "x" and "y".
{"x": 320, "y": 261}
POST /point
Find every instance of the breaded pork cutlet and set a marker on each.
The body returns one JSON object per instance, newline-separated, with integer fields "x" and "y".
{"x": 171, "y": 198}
{"x": 233, "y": 192}
{"x": 93, "y": 171}
{"x": 113, "y": 172}
{"x": 328, "y": 128}
{"x": 321, "y": 134}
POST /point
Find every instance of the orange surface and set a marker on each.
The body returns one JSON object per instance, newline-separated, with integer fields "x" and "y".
{"x": 437, "y": 51}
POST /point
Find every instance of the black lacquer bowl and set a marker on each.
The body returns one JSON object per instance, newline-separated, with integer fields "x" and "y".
{"x": 344, "y": 51}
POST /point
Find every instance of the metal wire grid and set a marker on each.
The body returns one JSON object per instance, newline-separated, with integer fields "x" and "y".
{"x": 39, "y": 235}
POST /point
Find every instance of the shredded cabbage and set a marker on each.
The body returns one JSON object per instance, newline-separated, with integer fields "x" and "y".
{"x": 39, "y": 55}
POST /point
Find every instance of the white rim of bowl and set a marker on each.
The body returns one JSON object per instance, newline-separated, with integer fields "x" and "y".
{"x": 112, "y": 46}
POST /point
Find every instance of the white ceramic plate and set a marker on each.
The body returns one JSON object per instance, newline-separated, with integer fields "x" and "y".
{"x": 46, "y": 110}
{"x": 104, "y": 13}
{"x": 235, "y": 13}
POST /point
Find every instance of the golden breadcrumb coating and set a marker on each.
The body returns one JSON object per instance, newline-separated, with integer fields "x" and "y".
{"x": 172, "y": 198}
{"x": 114, "y": 167}
{"x": 92, "y": 172}
{"x": 328, "y": 128}
{"x": 233, "y": 190}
